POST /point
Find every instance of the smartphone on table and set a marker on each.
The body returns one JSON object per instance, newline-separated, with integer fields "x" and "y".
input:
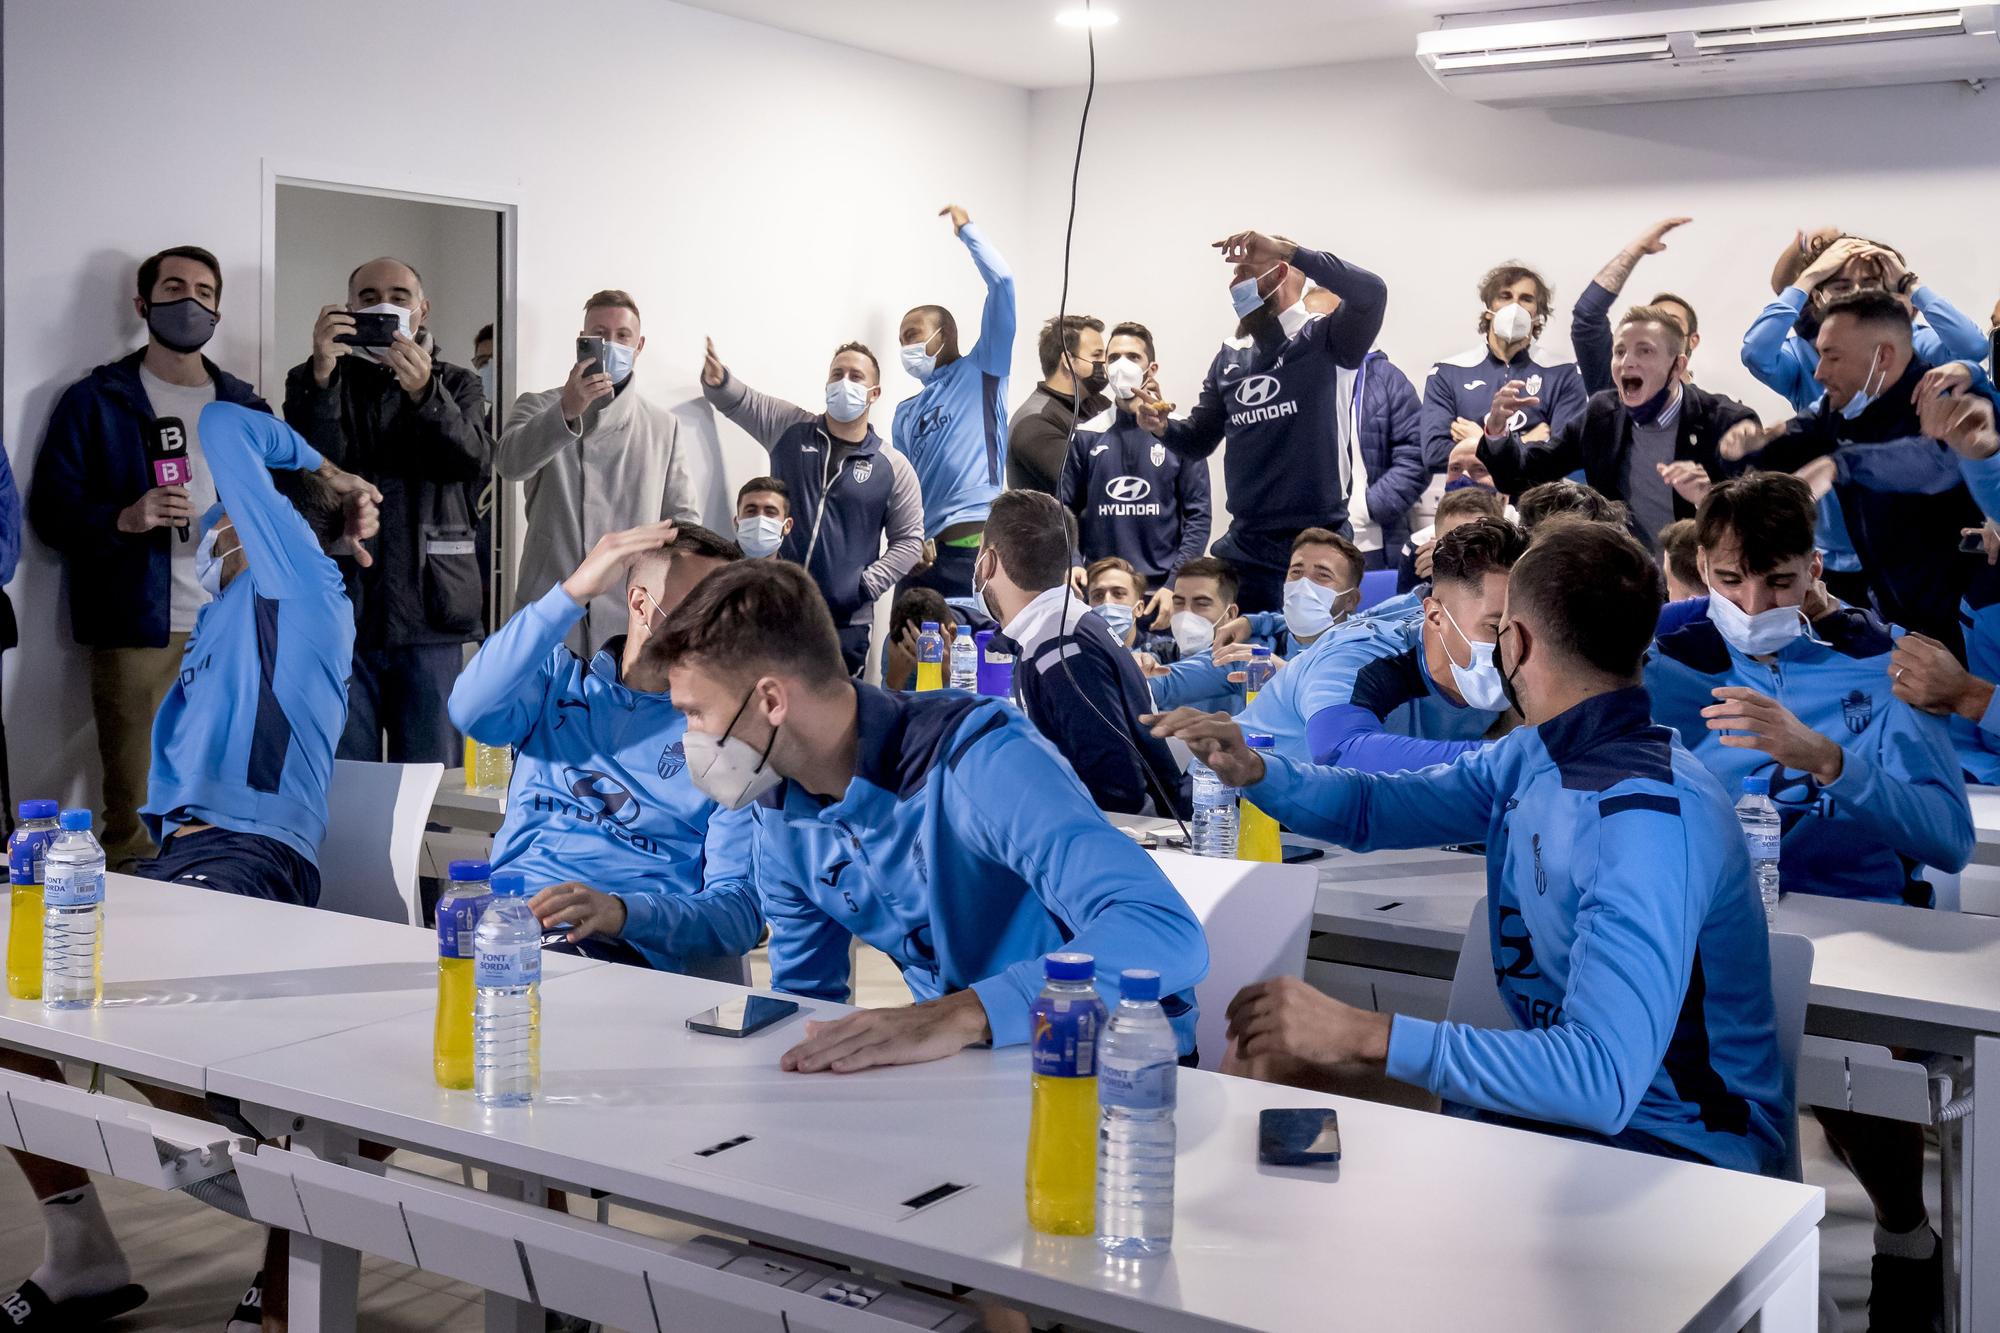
{"x": 740, "y": 1018}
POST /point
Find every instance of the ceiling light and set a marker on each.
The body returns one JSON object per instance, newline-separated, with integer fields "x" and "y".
{"x": 1086, "y": 18}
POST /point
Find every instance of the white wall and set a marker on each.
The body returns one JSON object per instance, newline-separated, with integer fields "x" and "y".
{"x": 776, "y": 191}
{"x": 1373, "y": 162}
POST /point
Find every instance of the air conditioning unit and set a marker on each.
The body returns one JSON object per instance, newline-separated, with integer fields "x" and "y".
{"x": 1591, "y": 54}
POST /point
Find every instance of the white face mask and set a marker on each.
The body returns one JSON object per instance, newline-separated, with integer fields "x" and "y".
{"x": 1309, "y": 607}
{"x": 208, "y": 563}
{"x": 1125, "y": 376}
{"x": 920, "y": 363}
{"x": 403, "y": 317}
{"x": 728, "y": 769}
{"x": 1512, "y": 323}
{"x": 1754, "y": 636}
{"x": 1479, "y": 683}
{"x": 759, "y": 535}
{"x": 1192, "y": 633}
{"x": 617, "y": 360}
{"x": 1119, "y": 616}
{"x": 1244, "y": 296}
{"x": 847, "y": 400}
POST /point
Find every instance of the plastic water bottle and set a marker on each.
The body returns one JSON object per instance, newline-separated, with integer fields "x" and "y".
{"x": 507, "y": 1014}
{"x": 1136, "y": 1066}
{"x": 1065, "y": 1024}
{"x": 27, "y": 864}
{"x": 964, "y": 660}
{"x": 1258, "y": 832}
{"x": 458, "y": 913}
{"x": 930, "y": 657}
{"x": 1763, "y": 830}
{"x": 73, "y": 917}
{"x": 1257, "y": 674}
{"x": 1214, "y": 813}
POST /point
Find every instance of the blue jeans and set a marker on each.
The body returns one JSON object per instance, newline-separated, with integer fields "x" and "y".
{"x": 399, "y": 694}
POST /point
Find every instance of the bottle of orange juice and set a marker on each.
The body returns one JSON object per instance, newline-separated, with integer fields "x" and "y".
{"x": 1062, "y": 1136}
{"x": 457, "y": 917}
{"x": 27, "y": 860}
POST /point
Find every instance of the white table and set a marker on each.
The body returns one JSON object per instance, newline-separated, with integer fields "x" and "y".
{"x": 480, "y": 810}
{"x": 1429, "y": 1223}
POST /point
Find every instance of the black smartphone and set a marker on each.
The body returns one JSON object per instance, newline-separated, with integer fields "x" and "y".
{"x": 1972, "y": 543}
{"x": 591, "y": 349}
{"x": 1302, "y": 1136}
{"x": 376, "y": 330}
{"x": 1295, "y": 852}
{"x": 740, "y": 1018}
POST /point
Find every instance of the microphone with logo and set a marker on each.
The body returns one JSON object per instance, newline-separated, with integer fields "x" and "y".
{"x": 167, "y": 451}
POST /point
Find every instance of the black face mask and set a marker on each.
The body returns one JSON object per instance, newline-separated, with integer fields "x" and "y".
{"x": 185, "y": 325}
{"x": 1097, "y": 380}
{"x": 1507, "y": 677}
{"x": 1649, "y": 411}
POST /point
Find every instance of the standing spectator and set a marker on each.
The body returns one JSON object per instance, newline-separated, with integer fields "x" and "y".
{"x": 411, "y": 424}
{"x": 1590, "y": 321}
{"x": 484, "y": 366}
{"x": 1131, "y": 495}
{"x": 1515, "y": 303}
{"x": 954, "y": 429}
{"x": 132, "y": 586}
{"x": 1275, "y": 403}
{"x": 597, "y": 458}
{"x": 855, "y": 509}
{"x": 1073, "y": 376}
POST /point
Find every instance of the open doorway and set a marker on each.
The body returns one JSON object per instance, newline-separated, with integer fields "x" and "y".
{"x": 321, "y": 231}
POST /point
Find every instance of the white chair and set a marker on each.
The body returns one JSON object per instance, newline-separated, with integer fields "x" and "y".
{"x": 374, "y": 834}
{"x": 1256, "y": 915}
{"x": 1475, "y": 1001}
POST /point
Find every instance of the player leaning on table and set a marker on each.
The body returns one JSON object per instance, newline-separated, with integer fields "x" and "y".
{"x": 900, "y": 819}
{"x": 601, "y": 815}
{"x": 1628, "y": 945}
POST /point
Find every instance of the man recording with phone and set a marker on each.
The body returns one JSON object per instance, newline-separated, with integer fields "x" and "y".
{"x": 597, "y": 457}
{"x": 375, "y": 399}
{"x": 121, "y": 524}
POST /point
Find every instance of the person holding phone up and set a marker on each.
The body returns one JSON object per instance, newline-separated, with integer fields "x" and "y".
{"x": 375, "y": 399}
{"x": 596, "y": 457}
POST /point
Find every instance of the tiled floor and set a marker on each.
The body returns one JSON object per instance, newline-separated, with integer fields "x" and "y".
{"x": 196, "y": 1261}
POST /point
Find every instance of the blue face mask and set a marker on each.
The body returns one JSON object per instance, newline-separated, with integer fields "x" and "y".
{"x": 1119, "y": 617}
{"x": 1244, "y": 297}
{"x": 1860, "y": 401}
{"x": 617, "y": 360}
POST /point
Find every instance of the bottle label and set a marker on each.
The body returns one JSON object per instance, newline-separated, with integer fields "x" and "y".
{"x": 73, "y": 886}
{"x": 27, "y": 855}
{"x": 1064, "y": 1044}
{"x": 457, "y": 919}
{"x": 1147, "y": 1088}
{"x": 931, "y": 651}
{"x": 1764, "y": 846}
{"x": 506, "y": 969}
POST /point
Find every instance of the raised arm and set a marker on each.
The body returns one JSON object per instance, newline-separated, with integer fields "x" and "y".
{"x": 1590, "y": 321}
{"x": 242, "y": 448}
{"x": 1350, "y": 331}
{"x": 763, "y": 416}
{"x": 994, "y": 352}
{"x": 498, "y": 697}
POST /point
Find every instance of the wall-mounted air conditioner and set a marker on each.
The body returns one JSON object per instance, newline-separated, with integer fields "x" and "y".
{"x": 1583, "y": 54}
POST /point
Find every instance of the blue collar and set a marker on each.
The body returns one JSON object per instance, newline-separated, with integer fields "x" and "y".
{"x": 1582, "y": 727}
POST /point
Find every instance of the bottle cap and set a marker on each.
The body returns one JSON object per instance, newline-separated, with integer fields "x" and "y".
{"x": 1257, "y": 741}
{"x": 39, "y": 809}
{"x": 965, "y": 631}
{"x": 75, "y": 819}
{"x": 1260, "y": 650}
{"x": 507, "y": 884}
{"x": 470, "y": 870}
{"x": 930, "y": 627}
{"x": 1139, "y": 984}
{"x": 1757, "y": 786}
{"x": 1069, "y": 967}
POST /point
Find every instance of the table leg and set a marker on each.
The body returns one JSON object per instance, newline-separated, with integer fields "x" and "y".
{"x": 325, "y": 1279}
{"x": 1793, "y": 1306}
{"x": 1979, "y": 1167}
{"x": 504, "y": 1314}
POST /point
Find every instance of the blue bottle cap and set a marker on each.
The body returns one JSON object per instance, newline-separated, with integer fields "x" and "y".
{"x": 1069, "y": 967}
{"x": 1139, "y": 984}
{"x": 1260, "y": 650}
{"x": 470, "y": 870}
{"x": 965, "y": 631}
{"x": 1757, "y": 786}
{"x": 930, "y": 627}
{"x": 39, "y": 809}
{"x": 1257, "y": 741}
{"x": 75, "y": 819}
{"x": 507, "y": 884}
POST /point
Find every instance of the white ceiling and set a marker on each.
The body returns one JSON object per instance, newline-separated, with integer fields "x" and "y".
{"x": 1018, "y": 41}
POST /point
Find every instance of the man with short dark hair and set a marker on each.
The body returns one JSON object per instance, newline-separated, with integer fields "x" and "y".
{"x": 1868, "y": 787}
{"x": 1276, "y": 405}
{"x": 1515, "y": 303}
{"x": 1680, "y": 562}
{"x": 597, "y": 457}
{"x": 1566, "y": 498}
{"x": 414, "y": 426}
{"x": 1651, "y": 441}
{"x": 1468, "y": 493}
{"x": 1204, "y": 598}
{"x": 1073, "y": 675}
{"x": 875, "y": 816}
{"x": 96, "y": 499}
{"x": 1131, "y": 495}
{"x": 1393, "y": 693}
{"x": 1629, "y": 951}
{"x": 856, "y": 511}
{"x": 954, "y": 429}
{"x": 601, "y": 816}
{"x": 1074, "y": 379}
{"x": 484, "y": 366}
{"x": 1117, "y": 592}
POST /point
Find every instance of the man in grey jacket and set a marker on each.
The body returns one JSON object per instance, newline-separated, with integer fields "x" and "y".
{"x": 597, "y": 458}
{"x": 849, "y": 491}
